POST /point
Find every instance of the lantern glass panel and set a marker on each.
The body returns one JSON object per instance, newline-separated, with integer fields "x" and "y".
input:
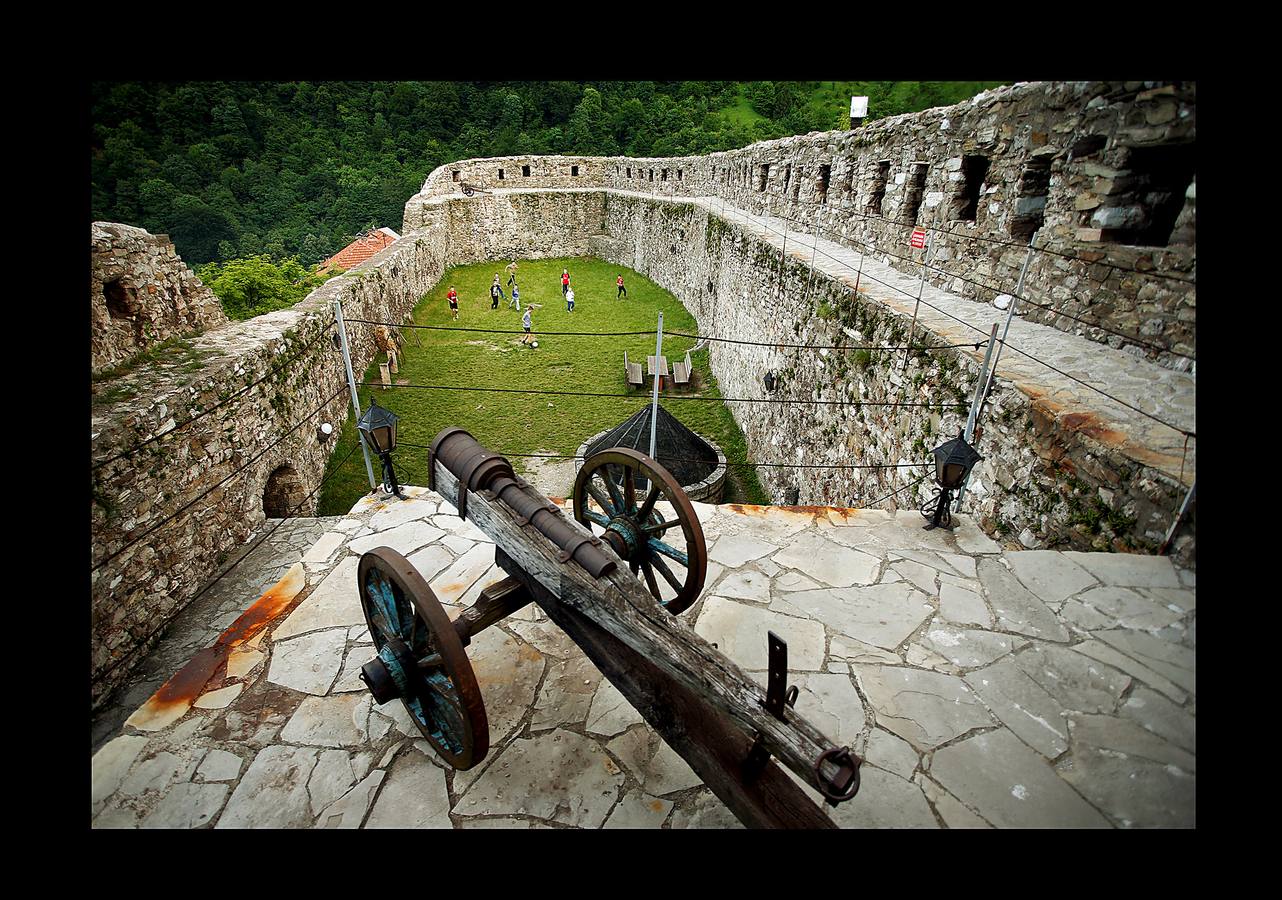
{"x": 953, "y": 474}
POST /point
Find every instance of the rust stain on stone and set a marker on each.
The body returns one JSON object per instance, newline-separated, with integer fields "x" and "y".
{"x": 1166, "y": 462}
{"x": 790, "y": 512}
{"x": 752, "y": 509}
{"x": 266, "y": 609}
{"x": 1089, "y": 424}
{"x": 176, "y": 695}
{"x": 814, "y": 510}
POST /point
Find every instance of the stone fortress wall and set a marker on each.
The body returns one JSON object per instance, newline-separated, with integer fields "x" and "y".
{"x": 1043, "y": 481}
{"x": 730, "y": 280}
{"x": 141, "y": 294}
{"x": 1103, "y": 172}
{"x": 190, "y": 475}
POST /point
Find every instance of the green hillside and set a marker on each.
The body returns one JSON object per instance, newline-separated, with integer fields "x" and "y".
{"x": 296, "y": 169}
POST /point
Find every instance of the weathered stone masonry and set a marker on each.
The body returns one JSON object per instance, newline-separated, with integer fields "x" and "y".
{"x": 140, "y": 294}
{"x": 136, "y": 593}
{"x": 1042, "y": 481}
{"x": 1103, "y": 171}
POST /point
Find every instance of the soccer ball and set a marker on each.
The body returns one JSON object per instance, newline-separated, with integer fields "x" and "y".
{"x": 534, "y": 344}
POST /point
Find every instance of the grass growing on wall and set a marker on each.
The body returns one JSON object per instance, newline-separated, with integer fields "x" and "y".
{"x": 529, "y": 423}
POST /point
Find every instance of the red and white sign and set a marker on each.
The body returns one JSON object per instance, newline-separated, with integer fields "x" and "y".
{"x": 919, "y": 238}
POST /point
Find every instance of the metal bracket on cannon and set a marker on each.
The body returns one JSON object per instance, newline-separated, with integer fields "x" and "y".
{"x": 777, "y": 697}
{"x": 841, "y": 786}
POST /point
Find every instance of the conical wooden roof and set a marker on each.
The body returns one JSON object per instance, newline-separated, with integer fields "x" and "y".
{"x": 678, "y": 449}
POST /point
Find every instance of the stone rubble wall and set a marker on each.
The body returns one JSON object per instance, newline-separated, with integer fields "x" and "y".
{"x": 1041, "y": 482}
{"x": 1090, "y": 143}
{"x": 137, "y": 593}
{"x": 141, "y": 293}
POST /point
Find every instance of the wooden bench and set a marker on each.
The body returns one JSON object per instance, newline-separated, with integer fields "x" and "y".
{"x": 681, "y": 371}
{"x": 633, "y": 371}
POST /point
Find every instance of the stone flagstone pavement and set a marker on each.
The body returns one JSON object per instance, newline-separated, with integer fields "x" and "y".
{"x": 985, "y": 688}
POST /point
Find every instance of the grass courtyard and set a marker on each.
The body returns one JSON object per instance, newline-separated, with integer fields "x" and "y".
{"x": 534, "y": 423}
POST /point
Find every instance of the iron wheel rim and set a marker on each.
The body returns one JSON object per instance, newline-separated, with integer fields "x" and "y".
{"x": 619, "y": 503}
{"x": 444, "y": 701}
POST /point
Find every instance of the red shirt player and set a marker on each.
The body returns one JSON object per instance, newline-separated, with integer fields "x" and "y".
{"x": 452, "y": 296}
{"x": 623, "y": 292}
{"x": 565, "y": 280}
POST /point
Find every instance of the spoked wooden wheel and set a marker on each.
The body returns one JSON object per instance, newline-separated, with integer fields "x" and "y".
{"x": 618, "y": 489}
{"x": 420, "y": 658}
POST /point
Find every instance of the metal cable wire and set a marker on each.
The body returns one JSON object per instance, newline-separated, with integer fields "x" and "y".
{"x": 865, "y": 249}
{"x": 902, "y": 489}
{"x": 886, "y": 284}
{"x": 1025, "y": 353}
{"x": 777, "y": 465}
{"x": 873, "y": 248}
{"x": 1159, "y": 420}
{"x": 701, "y": 337}
{"x": 501, "y": 330}
{"x": 918, "y": 347}
{"x": 490, "y": 390}
{"x": 892, "y": 287}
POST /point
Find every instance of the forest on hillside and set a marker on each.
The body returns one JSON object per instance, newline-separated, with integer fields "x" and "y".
{"x": 283, "y": 170}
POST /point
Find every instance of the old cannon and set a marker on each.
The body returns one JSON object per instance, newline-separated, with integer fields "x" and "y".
{"x": 705, "y": 707}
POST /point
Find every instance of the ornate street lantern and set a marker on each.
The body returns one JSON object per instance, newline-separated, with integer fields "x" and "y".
{"x": 953, "y": 461}
{"x": 378, "y": 428}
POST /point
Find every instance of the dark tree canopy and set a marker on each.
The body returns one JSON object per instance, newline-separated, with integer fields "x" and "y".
{"x": 243, "y": 169}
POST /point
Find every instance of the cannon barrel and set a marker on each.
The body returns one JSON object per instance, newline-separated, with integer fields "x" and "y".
{"x": 477, "y": 469}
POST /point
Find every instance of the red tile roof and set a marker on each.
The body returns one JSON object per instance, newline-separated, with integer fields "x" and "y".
{"x": 362, "y": 249}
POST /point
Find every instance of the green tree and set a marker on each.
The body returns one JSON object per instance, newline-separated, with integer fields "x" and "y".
{"x": 255, "y": 285}
{"x": 627, "y": 121}
{"x": 589, "y": 127}
{"x": 259, "y": 165}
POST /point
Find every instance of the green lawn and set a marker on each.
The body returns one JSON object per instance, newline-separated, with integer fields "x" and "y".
{"x": 528, "y": 423}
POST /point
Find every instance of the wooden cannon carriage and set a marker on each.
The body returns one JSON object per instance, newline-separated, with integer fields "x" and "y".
{"x": 706, "y": 708}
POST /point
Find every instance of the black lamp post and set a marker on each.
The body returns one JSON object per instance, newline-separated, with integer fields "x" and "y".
{"x": 378, "y": 428}
{"x": 953, "y": 461}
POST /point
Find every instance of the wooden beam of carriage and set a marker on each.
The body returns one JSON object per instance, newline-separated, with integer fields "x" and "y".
{"x": 616, "y": 607}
